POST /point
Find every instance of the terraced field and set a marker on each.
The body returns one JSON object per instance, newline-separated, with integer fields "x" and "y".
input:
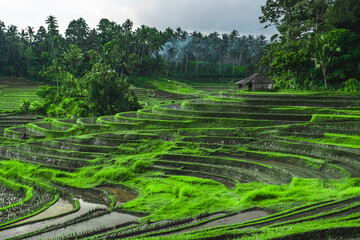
{"x": 14, "y": 90}
{"x": 229, "y": 166}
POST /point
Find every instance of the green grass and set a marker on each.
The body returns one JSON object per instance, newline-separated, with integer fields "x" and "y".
{"x": 125, "y": 148}
{"x": 177, "y": 197}
{"x": 13, "y": 91}
{"x": 173, "y": 86}
{"x": 165, "y": 84}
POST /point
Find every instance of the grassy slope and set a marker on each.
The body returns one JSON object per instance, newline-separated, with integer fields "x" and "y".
{"x": 178, "y": 197}
{"x": 14, "y": 90}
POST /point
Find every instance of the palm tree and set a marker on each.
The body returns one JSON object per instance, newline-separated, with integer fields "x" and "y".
{"x": 77, "y": 32}
{"x": 233, "y": 39}
{"x": 2, "y": 26}
{"x": 323, "y": 52}
{"x": 52, "y": 25}
{"x": 11, "y": 37}
{"x": 24, "y": 35}
{"x": 222, "y": 49}
{"x": 73, "y": 57}
{"x": 41, "y": 34}
{"x": 127, "y": 28}
{"x": 31, "y": 33}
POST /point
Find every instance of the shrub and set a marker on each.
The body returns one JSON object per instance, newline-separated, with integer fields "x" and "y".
{"x": 353, "y": 182}
{"x": 351, "y": 85}
{"x": 140, "y": 166}
{"x": 37, "y": 108}
{"x": 24, "y": 106}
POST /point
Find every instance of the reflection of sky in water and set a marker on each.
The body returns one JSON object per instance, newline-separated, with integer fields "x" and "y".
{"x": 107, "y": 220}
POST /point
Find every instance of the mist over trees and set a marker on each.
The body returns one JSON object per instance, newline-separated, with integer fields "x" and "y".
{"x": 132, "y": 52}
{"x": 317, "y": 47}
{"x": 213, "y": 50}
{"x": 87, "y": 69}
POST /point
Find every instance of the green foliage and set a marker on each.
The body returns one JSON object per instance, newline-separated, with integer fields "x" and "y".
{"x": 37, "y": 108}
{"x": 24, "y": 106}
{"x": 186, "y": 191}
{"x": 351, "y": 85}
{"x": 140, "y": 166}
{"x": 119, "y": 174}
{"x": 108, "y": 94}
{"x": 323, "y": 39}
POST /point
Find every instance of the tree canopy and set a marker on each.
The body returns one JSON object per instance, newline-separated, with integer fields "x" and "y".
{"x": 318, "y": 42}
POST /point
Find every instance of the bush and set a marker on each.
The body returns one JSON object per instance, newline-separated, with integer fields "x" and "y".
{"x": 140, "y": 166}
{"x": 37, "y": 108}
{"x": 351, "y": 85}
{"x": 24, "y": 106}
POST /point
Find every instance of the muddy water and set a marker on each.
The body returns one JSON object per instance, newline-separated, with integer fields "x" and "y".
{"x": 108, "y": 220}
{"x": 121, "y": 196}
{"x": 84, "y": 207}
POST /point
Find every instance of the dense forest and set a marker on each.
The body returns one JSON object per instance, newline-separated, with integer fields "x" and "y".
{"x": 133, "y": 52}
{"x": 318, "y": 44}
{"x": 88, "y": 68}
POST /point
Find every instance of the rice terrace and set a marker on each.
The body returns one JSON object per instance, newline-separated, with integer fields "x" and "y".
{"x": 123, "y": 132}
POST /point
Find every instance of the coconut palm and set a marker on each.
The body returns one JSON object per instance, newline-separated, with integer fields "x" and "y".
{"x": 52, "y": 25}
{"x": 73, "y": 57}
{"x": 31, "y": 33}
{"x": 323, "y": 52}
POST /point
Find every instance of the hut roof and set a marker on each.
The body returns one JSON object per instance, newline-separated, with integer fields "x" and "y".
{"x": 255, "y": 78}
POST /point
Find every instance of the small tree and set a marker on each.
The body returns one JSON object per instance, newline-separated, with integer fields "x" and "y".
{"x": 323, "y": 55}
{"x": 109, "y": 94}
{"x": 73, "y": 57}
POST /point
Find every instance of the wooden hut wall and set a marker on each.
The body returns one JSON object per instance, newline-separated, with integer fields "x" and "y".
{"x": 261, "y": 86}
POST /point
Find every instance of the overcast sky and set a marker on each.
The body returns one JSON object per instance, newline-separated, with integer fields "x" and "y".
{"x": 202, "y": 15}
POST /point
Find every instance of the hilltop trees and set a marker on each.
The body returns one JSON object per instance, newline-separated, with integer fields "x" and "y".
{"x": 107, "y": 93}
{"x": 128, "y": 51}
{"x": 310, "y": 31}
{"x": 89, "y": 65}
{"x": 213, "y": 49}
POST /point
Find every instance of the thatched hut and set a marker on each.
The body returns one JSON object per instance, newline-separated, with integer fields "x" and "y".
{"x": 256, "y": 82}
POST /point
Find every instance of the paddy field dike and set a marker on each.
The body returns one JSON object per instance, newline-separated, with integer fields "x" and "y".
{"x": 199, "y": 165}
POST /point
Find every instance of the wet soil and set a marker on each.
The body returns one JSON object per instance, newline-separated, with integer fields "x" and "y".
{"x": 121, "y": 196}
{"x": 60, "y": 207}
{"x": 107, "y": 220}
{"x": 238, "y": 218}
{"x": 16, "y": 231}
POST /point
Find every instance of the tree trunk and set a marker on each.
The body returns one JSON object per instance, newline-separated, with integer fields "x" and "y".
{"x": 220, "y": 67}
{"x": 325, "y": 80}
{"x": 197, "y": 65}
{"x": 142, "y": 54}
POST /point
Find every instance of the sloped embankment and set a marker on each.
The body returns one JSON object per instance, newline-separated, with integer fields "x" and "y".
{"x": 240, "y": 141}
